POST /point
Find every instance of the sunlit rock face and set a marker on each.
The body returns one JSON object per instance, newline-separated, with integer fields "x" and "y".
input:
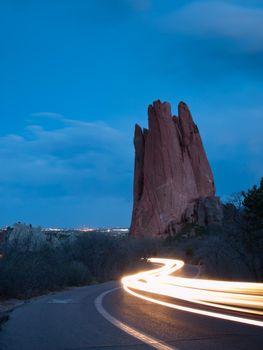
{"x": 173, "y": 181}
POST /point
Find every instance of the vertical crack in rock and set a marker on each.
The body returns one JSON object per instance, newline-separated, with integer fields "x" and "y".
{"x": 173, "y": 181}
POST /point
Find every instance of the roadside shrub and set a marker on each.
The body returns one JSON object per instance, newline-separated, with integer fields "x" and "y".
{"x": 31, "y": 264}
{"x": 189, "y": 252}
{"x": 76, "y": 274}
{"x": 27, "y": 273}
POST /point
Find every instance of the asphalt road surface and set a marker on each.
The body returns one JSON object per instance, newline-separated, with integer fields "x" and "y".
{"x": 81, "y": 318}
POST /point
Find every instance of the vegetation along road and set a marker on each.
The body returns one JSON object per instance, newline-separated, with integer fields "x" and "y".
{"x": 107, "y": 316}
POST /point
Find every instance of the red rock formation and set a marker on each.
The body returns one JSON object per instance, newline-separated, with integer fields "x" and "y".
{"x": 171, "y": 172}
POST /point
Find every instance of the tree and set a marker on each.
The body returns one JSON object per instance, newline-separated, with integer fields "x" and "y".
{"x": 253, "y": 227}
{"x": 236, "y": 199}
{"x": 253, "y": 206}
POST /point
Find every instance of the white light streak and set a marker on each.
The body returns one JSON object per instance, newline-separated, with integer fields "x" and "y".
{"x": 242, "y": 297}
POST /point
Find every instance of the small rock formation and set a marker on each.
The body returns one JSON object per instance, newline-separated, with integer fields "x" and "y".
{"x": 173, "y": 181}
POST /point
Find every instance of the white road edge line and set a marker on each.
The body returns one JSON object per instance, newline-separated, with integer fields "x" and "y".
{"x": 147, "y": 339}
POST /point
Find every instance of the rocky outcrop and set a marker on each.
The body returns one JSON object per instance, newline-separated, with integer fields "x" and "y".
{"x": 204, "y": 211}
{"x": 173, "y": 181}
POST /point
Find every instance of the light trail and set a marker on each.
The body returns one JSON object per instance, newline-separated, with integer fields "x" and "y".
{"x": 242, "y": 297}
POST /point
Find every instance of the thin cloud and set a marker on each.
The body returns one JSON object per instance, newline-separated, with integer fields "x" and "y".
{"x": 62, "y": 176}
{"x": 41, "y": 156}
{"x": 48, "y": 115}
{"x": 241, "y": 25}
{"x": 140, "y": 5}
{"x": 234, "y": 147}
{"x": 98, "y": 127}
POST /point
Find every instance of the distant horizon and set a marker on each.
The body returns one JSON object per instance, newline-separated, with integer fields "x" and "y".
{"x": 84, "y": 228}
{"x": 77, "y": 76}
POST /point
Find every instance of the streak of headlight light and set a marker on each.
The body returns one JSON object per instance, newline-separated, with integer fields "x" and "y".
{"x": 234, "y": 296}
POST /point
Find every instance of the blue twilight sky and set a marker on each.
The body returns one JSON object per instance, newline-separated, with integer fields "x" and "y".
{"x": 75, "y": 75}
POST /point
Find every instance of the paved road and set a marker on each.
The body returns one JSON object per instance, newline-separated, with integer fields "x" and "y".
{"x": 69, "y": 320}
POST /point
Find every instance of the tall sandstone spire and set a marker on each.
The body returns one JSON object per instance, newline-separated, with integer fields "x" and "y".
{"x": 173, "y": 181}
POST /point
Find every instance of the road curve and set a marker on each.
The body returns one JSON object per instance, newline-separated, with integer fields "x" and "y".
{"x": 70, "y": 320}
{"x": 232, "y": 301}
